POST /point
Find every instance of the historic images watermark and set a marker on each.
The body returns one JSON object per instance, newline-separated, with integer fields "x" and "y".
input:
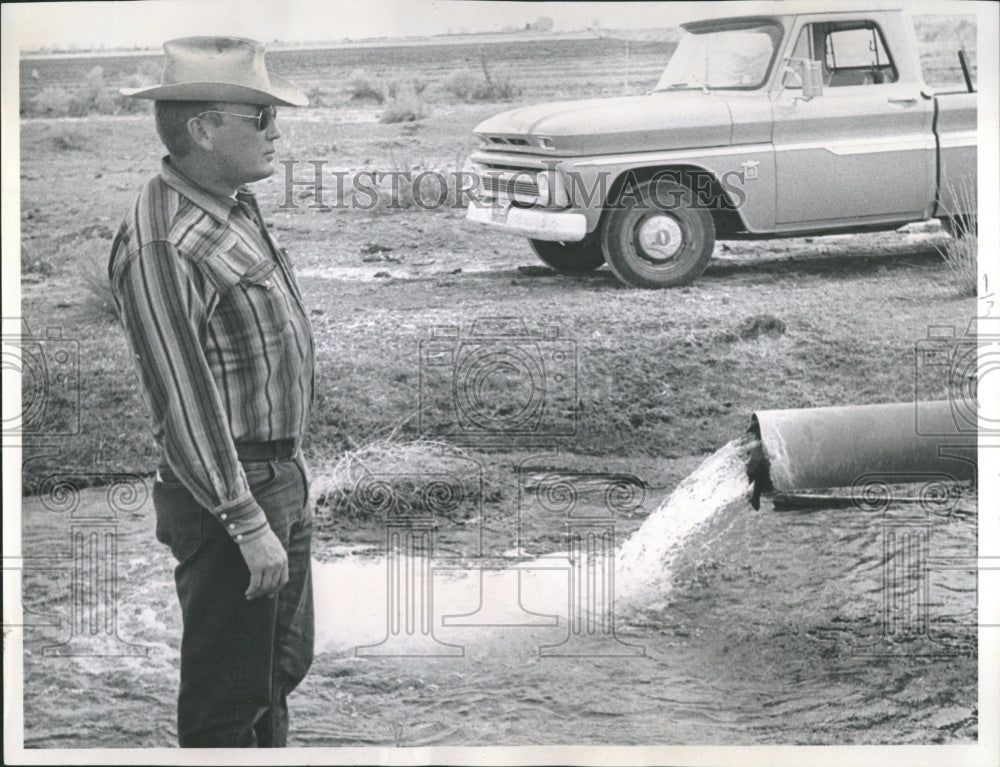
{"x": 586, "y": 506}
{"x": 45, "y": 366}
{"x": 411, "y": 506}
{"x": 428, "y": 189}
{"x": 910, "y": 508}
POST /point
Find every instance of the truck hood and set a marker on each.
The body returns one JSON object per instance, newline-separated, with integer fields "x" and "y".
{"x": 656, "y": 121}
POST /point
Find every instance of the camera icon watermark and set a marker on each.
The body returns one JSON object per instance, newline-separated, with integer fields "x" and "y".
{"x": 46, "y": 368}
{"x": 953, "y": 365}
{"x": 499, "y": 384}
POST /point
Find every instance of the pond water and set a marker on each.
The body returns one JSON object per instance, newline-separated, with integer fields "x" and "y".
{"x": 712, "y": 624}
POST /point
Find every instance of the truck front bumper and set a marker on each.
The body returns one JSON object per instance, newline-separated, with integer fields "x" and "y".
{"x": 554, "y": 226}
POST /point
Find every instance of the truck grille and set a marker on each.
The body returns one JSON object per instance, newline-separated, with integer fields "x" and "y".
{"x": 509, "y": 187}
{"x": 511, "y": 141}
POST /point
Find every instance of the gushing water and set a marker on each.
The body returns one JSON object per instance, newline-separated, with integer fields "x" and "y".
{"x": 644, "y": 561}
{"x": 526, "y": 593}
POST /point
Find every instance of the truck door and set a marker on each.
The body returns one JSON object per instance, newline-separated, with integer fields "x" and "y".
{"x": 863, "y": 150}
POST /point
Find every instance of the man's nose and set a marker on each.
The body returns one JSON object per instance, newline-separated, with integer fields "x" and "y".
{"x": 272, "y": 133}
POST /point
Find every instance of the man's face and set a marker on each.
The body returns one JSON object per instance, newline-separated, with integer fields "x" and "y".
{"x": 243, "y": 153}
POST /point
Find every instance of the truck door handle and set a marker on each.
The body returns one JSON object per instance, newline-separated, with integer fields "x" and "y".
{"x": 904, "y": 101}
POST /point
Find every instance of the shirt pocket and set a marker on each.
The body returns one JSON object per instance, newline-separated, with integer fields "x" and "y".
{"x": 262, "y": 291}
{"x": 250, "y": 314}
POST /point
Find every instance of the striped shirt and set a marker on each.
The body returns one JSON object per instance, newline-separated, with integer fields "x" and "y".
{"x": 221, "y": 339}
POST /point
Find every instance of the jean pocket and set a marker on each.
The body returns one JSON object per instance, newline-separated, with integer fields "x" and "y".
{"x": 306, "y": 474}
{"x": 179, "y": 519}
{"x": 260, "y": 475}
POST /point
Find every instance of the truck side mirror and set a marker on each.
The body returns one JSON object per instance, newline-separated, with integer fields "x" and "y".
{"x": 812, "y": 79}
{"x": 805, "y": 74}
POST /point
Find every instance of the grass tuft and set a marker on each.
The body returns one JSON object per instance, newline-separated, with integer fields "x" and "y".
{"x": 71, "y": 138}
{"x": 407, "y": 105}
{"x": 95, "y": 289}
{"x": 960, "y": 252}
{"x": 468, "y": 86}
{"x": 364, "y": 86}
{"x": 92, "y": 96}
{"x": 52, "y": 101}
{"x": 400, "y": 467}
{"x": 34, "y": 264}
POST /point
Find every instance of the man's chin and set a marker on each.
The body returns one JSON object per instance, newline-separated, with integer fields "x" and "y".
{"x": 264, "y": 172}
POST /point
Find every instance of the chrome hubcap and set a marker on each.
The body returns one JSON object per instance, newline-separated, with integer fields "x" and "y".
{"x": 660, "y": 238}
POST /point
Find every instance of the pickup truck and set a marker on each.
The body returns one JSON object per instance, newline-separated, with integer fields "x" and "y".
{"x": 763, "y": 126}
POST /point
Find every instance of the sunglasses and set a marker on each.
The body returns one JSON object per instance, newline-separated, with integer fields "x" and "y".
{"x": 264, "y": 119}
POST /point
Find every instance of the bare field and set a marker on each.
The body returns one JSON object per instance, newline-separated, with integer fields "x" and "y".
{"x": 585, "y": 65}
{"x": 662, "y": 378}
{"x": 660, "y": 373}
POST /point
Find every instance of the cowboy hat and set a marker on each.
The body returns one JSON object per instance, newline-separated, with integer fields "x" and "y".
{"x": 219, "y": 69}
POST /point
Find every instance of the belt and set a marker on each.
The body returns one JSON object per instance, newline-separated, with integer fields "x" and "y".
{"x": 275, "y": 450}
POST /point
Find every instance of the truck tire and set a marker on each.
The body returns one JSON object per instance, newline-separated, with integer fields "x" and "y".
{"x": 657, "y": 237}
{"x": 570, "y": 257}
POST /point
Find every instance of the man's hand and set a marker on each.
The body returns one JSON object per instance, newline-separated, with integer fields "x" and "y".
{"x": 268, "y": 563}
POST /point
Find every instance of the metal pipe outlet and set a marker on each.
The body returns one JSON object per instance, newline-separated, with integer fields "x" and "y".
{"x": 836, "y": 446}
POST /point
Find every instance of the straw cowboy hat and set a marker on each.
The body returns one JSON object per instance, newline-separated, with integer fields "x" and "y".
{"x": 219, "y": 69}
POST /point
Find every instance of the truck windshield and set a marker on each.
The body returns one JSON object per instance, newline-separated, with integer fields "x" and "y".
{"x": 722, "y": 58}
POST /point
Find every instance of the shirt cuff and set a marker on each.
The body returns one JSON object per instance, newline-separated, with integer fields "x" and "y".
{"x": 243, "y": 519}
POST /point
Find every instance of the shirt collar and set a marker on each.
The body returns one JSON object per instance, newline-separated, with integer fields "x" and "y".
{"x": 216, "y": 206}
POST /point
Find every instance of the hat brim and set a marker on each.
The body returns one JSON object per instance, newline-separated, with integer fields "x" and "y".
{"x": 280, "y": 93}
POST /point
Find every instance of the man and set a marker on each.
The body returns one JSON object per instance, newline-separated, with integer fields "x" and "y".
{"x": 224, "y": 354}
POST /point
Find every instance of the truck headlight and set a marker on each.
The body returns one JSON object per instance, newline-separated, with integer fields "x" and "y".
{"x": 542, "y": 180}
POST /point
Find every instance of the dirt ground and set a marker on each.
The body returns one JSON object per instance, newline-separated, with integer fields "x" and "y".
{"x": 660, "y": 373}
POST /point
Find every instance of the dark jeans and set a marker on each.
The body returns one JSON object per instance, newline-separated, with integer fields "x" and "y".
{"x": 239, "y": 658}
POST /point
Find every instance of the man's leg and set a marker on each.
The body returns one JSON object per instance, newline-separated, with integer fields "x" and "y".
{"x": 230, "y": 645}
{"x": 293, "y": 639}
{"x": 226, "y": 650}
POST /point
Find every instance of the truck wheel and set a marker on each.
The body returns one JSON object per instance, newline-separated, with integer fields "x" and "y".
{"x": 570, "y": 257}
{"x": 658, "y": 238}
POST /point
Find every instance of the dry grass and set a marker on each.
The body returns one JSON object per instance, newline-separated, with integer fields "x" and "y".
{"x": 393, "y": 462}
{"x": 961, "y": 255}
{"x": 421, "y": 184}
{"x": 364, "y": 86}
{"x": 33, "y": 264}
{"x": 95, "y": 289}
{"x": 407, "y": 105}
{"x": 961, "y": 251}
{"x": 72, "y": 138}
{"x": 92, "y": 95}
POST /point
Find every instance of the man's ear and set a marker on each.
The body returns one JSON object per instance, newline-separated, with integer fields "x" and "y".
{"x": 201, "y": 132}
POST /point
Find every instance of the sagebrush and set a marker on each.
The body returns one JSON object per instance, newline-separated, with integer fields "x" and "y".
{"x": 961, "y": 251}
